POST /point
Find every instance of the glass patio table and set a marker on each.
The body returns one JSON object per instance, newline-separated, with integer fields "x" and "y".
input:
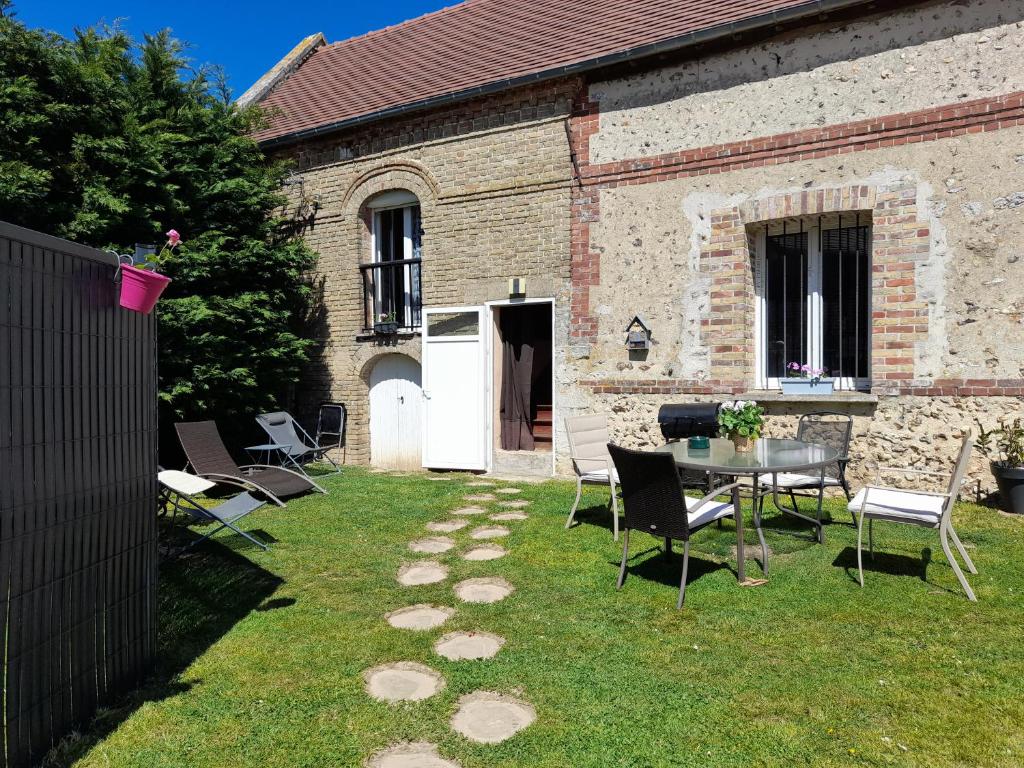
{"x": 771, "y": 456}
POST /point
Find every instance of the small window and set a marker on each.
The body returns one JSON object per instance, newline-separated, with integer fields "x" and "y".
{"x": 813, "y": 284}
{"x": 392, "y": 286}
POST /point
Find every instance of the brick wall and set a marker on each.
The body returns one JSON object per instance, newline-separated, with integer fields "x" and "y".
{"x": 493, "y": 178}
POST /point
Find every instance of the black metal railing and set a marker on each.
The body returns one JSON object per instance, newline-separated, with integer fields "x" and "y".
{"x": 392, "y": 295}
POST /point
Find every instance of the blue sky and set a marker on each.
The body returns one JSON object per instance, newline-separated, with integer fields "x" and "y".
{"x": 246, "y": 38}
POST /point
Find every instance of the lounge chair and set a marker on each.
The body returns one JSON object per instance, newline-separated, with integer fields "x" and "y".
{"x": 179, "y": 489}
{"x": 924, "y": 508}
{"x": 209, "y": 459}
{"x": 302, "y": 449}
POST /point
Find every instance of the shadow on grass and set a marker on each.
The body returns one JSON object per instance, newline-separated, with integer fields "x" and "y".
{"x": 652, "y": 564}
{"x": 201, "y": 595}
{"x": 599, "y": 515}
{"x": 885, "y": 562}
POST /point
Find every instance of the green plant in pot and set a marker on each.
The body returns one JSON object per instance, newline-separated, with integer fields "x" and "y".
{"x": 1004, "y": 447}
{"x": 741, "y": 421}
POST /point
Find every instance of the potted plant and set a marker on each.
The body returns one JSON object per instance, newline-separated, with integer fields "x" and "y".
{"x": 803, "y": 379}
{"x": 142, "y": 285}
{"x": 741, "y": 421}
{"x": 386, "y": 324}
{"x": 1004, "y": 446}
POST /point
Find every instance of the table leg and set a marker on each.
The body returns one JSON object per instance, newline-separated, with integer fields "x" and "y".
{"x": 741, "y": 571}
{"x": 757, "y": 525}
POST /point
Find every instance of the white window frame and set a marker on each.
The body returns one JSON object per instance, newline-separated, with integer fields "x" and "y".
{"x": 814, "y": 311}
{"x": 407, "y": 253}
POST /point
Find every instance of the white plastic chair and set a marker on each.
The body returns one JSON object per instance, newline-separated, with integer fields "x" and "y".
{"x": 588, "y": 448}
{"x": 923, "y": 508}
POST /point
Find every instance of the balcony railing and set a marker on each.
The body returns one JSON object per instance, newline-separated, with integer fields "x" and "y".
{"x": 392, "y": 289}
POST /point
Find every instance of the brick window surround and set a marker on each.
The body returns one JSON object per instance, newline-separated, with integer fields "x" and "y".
{"x": 900, "y": 242}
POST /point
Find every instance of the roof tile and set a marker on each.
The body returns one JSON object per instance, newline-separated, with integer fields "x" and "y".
{"x": 478, "y": 43}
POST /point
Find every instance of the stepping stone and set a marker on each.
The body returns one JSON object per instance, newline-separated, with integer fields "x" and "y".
{"x": 468, "y": 646}
{"x": 419, "y": 618}
{"x": 486, "y": 590}
{"x": 420, "y": 754}
{"x": 485, "y": 552}
{"x": 509, "y": 491}
{"x": 438, "y": 479}
{"x": 433, "y": 545}
{"x": 447, "y": 526}
{"x": 427, "y": 572}
{"x": 402, "y": 681}
{"x": 480, "y": 484}
{"x": 490, "y": 718}
{"x": 489, "y": 532}
{"x": 480, "y": 497}
{"x": 503, "y": 516}
{"x": 517, "y": 504}
{"x": 469, "y": 511}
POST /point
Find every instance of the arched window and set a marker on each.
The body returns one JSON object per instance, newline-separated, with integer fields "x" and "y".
{"x": 391, "y": 279}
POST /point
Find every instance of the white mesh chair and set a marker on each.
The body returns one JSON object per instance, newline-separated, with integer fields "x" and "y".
{"x": 588, "y": 448}
{"x": 923, "y": 508}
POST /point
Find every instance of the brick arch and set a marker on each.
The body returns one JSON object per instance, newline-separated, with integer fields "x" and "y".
{"x": 367, "y": 357}
{"x": 808, "y": 202}
{"x": 399, "y": 175}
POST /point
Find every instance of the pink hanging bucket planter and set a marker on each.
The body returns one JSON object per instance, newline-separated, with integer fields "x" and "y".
{"x": 141, "y": 288}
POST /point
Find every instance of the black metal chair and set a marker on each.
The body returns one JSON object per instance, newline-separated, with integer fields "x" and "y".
{"x": 824, "y": 428}
{"x": 653, "y": 501}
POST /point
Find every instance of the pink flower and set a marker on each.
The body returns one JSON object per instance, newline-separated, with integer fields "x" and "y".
{"x": 173, "y": 238}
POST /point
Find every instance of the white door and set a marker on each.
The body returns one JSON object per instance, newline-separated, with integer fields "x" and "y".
{"x": 395, "y": 415}
{"x": 454, "y": 388}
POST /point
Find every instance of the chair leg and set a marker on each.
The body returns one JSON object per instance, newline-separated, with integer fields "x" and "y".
{"x": 625, "y": 555}
{"x": 871, "y": 538}
{"x": 579, "y": 492}
{"x": 682, "y": 582}
{"x": 860, "y": 563}
{"x": 962, "y": 551}
{"x": 821, "y": 527}
{"x": 956, "y": 568}
{"x": 668, "y": 549}
{"x": 615, "y": 512}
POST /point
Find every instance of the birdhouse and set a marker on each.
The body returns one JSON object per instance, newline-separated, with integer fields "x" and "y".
{"x": 638, "y": 334}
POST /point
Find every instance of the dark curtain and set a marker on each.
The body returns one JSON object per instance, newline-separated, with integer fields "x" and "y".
{"x": 516, "y": 383}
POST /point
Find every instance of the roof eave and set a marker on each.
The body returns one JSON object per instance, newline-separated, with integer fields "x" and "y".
{"x": 670, "y": 45}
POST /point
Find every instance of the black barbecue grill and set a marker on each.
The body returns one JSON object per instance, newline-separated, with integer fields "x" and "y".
{"x": 684, "y": 420}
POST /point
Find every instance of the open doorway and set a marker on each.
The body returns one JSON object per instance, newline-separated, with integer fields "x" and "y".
{"x": 523, "y": 402}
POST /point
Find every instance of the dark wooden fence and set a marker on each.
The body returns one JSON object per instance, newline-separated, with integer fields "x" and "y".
{"x": 77, "y": 489}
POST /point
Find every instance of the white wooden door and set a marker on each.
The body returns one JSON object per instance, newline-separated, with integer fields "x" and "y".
{"x": 454, "y": 388}
{"x": 395, "y": 413}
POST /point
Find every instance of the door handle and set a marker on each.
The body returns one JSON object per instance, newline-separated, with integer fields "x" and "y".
{"x": 401, "y": 399}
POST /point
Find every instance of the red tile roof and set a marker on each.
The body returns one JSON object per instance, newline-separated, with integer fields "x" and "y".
{"x": 483, "y": 43}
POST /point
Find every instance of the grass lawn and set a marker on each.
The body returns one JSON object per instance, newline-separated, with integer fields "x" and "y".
{"x": 261, "y": 655}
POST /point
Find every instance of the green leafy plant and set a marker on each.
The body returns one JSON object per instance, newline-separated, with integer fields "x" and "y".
{"x": 1004, "y": 445}
{"x": 107, "y": 141}
{"x": 741, "y": 417}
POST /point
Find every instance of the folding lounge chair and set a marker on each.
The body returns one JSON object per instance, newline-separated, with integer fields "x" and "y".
{"x": 302, "y": 449}
{"x": 179, "y": 488}
{"x": 209, "y": 459}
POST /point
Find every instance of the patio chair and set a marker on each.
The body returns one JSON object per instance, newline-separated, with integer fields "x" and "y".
{"x": 210, "y": 460}
{"x": 179, "y": 489}
{"x": 302, "y": 449}
{"x": 824, "y": 428}
{"x": 923, "y": 508}
{"x": 588, "y": 449}
{"x": 653, "y": 501}
{"x": 330, "y": 427}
